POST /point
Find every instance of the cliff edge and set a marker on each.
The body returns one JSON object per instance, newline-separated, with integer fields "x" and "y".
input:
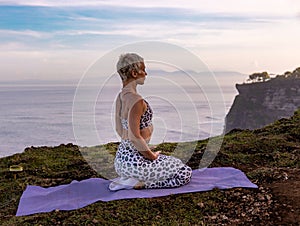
{"x": 261, "y": 103}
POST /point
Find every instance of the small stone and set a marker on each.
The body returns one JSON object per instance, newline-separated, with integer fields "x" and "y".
{"x": 256, "y": 204}
{"x": 224, "y": 217}
{"x": 200, "y": 204}
{"x": 95, "y": 221}
{"x": 260, "y": 197}
{"x": 214, "y": 217}
{"x": 255, "y": 211}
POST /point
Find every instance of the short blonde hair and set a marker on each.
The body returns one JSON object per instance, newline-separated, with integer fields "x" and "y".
{"x": 127, "y": 63}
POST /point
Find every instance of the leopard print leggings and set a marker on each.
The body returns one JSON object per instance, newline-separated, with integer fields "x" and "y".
{"x": 164, "y": 172}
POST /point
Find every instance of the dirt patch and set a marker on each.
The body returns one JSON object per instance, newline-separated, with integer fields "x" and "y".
{"x": 287, "y": 194}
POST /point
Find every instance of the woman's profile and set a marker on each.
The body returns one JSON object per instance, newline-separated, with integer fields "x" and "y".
{"x": 136, "y": 164}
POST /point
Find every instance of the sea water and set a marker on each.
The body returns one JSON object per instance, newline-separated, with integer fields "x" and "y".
{"x": 43, "y": 115}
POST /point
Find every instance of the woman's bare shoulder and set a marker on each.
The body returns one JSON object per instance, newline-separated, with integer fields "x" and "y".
{"x": 130, "y": 99}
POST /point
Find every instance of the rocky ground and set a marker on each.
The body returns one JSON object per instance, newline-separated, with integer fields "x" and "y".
{"x": 269, "y": 156}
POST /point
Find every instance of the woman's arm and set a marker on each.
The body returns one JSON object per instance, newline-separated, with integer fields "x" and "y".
{"x": 134, "y": 134}
{"x": 119, "y": 128}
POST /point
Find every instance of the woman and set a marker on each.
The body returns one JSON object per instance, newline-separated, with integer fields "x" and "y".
{"x": 136, "y": 164}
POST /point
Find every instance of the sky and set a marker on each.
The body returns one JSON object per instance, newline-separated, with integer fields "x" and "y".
{"x": 60, "y": 39}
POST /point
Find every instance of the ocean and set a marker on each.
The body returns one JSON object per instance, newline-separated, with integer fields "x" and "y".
{"x": 44, "y": 115}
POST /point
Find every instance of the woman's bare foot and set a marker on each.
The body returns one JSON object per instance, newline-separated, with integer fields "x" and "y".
{"x": 139, "y": 185}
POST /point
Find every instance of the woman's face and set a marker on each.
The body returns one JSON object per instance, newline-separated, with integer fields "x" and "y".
{"x": 141, "y": 74}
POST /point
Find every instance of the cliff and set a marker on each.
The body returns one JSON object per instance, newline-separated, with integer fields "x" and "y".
{"x": 261, "y": 103}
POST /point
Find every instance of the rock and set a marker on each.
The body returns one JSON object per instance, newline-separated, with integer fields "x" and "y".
{"x": 200, "y": 204}
{"x": 260, "y": 197}
{"x": 214, "y": 217}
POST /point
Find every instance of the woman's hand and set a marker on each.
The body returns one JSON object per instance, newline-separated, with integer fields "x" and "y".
{"x": 156, "y": 154}
{"x": 151, "y": 155}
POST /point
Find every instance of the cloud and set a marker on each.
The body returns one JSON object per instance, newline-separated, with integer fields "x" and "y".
{"x": 226, "y": 31}
{"x": 61, "y": 19}
{"x": 29, "y": 33}
{"x": 217, "y": 6}
{"x": 81, "y": 28}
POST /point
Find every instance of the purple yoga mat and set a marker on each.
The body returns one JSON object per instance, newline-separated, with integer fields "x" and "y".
{"x": 78, "y": 194}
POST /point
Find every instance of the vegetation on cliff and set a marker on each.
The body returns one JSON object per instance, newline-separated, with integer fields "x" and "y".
{"x": 293, "y": 74}
{"x": 269, "y": 156}
{"x": 265, "y": 76}
{"x": 259, "y": 77}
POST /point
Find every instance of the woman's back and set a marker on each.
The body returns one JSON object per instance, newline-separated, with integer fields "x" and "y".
{"x": 126, "y": 101}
